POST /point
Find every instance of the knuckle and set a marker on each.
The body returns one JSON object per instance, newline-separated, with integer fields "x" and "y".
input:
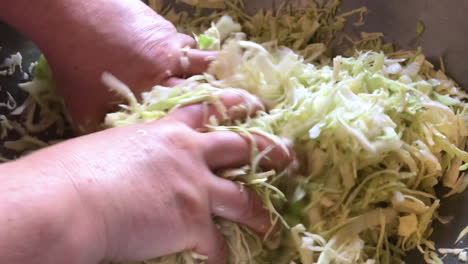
{"x": 178, "y": 136}
{"x": 176, "y": 140}
{"x": 183, "y": 139}
{"x": 193, "y": 204}
{"x": 186, "y": 40}
{"x": 165, "y": 47}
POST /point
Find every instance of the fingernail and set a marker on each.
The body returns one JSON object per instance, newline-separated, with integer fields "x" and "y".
{"x": 220, "y": 208}
{"x": 252, "y": 102}
{"x": 238, "y": 110}
{"x": 185, "y": 49}
{"x": 287, "y": 145}
{"x": 241, "y": 187}
{"x": 210, "y": 58}
{"x": 232, "y": 173}
{"x": 184, "y": 62}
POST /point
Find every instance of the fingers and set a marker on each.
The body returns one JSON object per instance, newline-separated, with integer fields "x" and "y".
{"x": 234, "y": 104}
{"x": 236, "y": 203}
{"x": 196, "y": 61}
{"x": 193, "y": 61}
{"x": 227, "y": 149}
{"x": 186, "y": 41}
{"x": 212, "y": 245}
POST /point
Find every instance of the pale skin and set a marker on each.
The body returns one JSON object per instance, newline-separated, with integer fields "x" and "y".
{"x": 132, "y": 193}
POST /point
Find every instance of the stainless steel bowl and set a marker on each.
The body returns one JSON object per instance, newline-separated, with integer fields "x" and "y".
{"x": 445, "y": 35}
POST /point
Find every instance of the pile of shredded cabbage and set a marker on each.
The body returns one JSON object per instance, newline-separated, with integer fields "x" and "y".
{"x": 373, "y": 135}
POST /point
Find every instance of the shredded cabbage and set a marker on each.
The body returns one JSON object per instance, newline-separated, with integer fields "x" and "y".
{"x": 463, "y": 256}
{"x": 11, "y": 63}
{"x": 43, "y": 110}
{"x": 374, "y": 134}
{"x": 461, "y": 253}
{"x": 462, "y": 234}
{"x": 205, "y": 3}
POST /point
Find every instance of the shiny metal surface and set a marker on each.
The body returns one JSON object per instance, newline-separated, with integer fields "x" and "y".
{"x": 446, "y": 35}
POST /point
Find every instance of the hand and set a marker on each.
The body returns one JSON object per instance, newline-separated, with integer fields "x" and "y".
{"x": 123, "y": 37}
{"x": 152, "y": 190}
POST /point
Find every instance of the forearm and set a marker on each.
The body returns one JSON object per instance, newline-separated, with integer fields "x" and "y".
{"x": 69, "y": 24}
{"x": 45, "y": 20}
{"x": 81, "y": 39}
{"x": 42, "y": 220}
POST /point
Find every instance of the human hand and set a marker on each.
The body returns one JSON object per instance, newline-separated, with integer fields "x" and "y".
{"x": 151, "y": 188}
{"x": 125, "y": 38}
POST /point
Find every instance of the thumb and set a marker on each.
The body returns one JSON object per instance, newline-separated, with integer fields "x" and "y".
{"x": 195, "y": 61}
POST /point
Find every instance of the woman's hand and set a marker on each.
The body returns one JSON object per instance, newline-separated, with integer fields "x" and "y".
{"x": 159, "y": 192}
{"x": 151, "y": 189}
{"x": 83, "y": 39}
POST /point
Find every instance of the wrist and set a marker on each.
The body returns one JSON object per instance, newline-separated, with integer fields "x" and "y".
{"x": 49, "y": 220}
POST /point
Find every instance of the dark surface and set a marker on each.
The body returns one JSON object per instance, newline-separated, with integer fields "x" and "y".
{"x": 10, "y": 43}
{"x": 446, "y": 34}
